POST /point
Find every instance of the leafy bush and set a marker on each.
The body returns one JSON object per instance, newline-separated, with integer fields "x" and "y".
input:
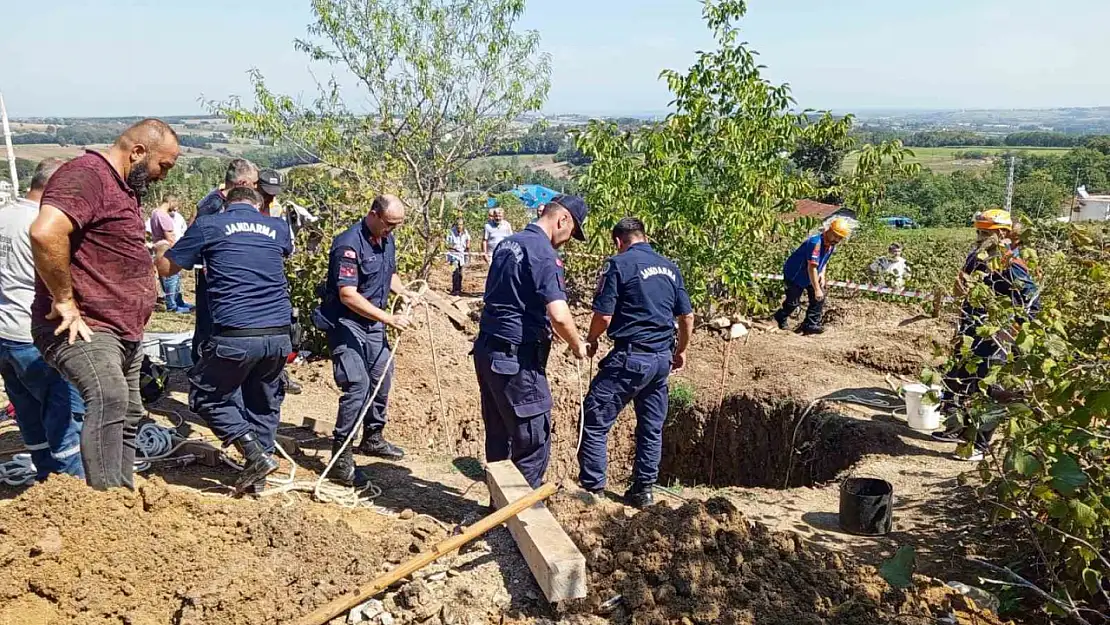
{"x": 682, "y": 397}
{"x": 1050, "y": 468}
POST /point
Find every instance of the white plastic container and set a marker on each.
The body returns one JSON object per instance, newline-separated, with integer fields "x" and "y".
{"x": 921, "y": 413}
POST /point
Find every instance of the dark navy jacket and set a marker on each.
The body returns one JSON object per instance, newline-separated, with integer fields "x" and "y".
{"x": 244, "y": 252}
{"x": 525, "y": 275}
{"x": 643, "y": 292}
{"x": 212, "y": 203}
{"x": 357, "y": 260}
{"x": 812, "y": 251}
{"x": 1011, "y": 279}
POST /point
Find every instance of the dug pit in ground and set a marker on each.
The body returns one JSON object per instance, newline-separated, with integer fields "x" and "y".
{"x": 766, "y": 442}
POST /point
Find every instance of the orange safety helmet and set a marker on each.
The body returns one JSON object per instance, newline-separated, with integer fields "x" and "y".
{"x": 994, "y": 219}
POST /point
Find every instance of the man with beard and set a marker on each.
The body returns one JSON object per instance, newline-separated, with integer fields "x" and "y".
{"x": 95, "y": 290}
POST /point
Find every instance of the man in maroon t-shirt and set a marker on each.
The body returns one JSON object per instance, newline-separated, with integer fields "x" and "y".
{"x": 95, "y": 290}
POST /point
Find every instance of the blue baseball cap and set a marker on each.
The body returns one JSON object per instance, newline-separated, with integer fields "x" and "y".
{"x": 578, "y": 210}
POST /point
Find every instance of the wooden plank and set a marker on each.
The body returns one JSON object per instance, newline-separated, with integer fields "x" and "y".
{"x": 291, "y": 445}
{"x": 556, "y": 563}
{"x": 447, "y": 307}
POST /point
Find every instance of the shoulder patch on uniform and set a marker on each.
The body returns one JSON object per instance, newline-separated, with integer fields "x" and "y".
{"x": 558, "y": 262}
{"x": 349, "y": 253}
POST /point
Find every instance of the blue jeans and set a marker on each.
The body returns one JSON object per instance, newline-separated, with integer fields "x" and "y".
{"x": 236, "y": 385}
{"x": 626, "y": 375}
{"x": 171, "y": 286}
{"x": 48, "y": 409}
{"x": 106, "y": 373}
{"x": 359, "y": 356}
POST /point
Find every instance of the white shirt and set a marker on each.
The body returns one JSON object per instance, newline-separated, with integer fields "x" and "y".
{"x": 17, "y": 270}
{"x": 495, "y": 234}
{"x": 179, "y": 225}
{"x": 892, "y": 271}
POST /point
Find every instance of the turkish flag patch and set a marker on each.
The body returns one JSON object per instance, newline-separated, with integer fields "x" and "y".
{"x": 559, "y": 263}
{"x": 349, "y": 253}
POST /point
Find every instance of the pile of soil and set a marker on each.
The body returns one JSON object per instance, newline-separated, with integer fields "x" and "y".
{"x": 69, "y": 554}
{"x": 704, "y": 563}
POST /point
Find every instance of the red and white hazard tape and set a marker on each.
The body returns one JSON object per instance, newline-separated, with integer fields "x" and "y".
{"x": 859, "y": 286}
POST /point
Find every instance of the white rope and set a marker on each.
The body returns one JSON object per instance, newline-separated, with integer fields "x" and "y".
{"x": 327, "y": 492}
{"x": 581, "y": 407}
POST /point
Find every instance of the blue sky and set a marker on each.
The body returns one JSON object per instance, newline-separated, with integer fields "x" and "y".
{"x": 132, "y": 57}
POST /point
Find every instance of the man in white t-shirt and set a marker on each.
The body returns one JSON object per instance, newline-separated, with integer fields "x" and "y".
{"x": 47, "y": 408}
{"x": 496, "y": 231}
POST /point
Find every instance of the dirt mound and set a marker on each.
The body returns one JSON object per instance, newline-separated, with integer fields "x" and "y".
{"x": 705, "y": 563}
{"x": 156, "y": 556}
{"x": 887, "y": 359}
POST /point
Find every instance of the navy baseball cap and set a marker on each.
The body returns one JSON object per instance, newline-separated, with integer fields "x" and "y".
{"x": 578, "y": 210}
{"x": 269, "y": 182}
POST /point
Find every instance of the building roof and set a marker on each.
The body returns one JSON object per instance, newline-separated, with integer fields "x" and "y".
{"x": 534, "y": 195}
{"x": 810, "y": 208}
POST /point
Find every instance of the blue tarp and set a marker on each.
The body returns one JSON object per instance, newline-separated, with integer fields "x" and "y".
{"x": 533, "y": 195}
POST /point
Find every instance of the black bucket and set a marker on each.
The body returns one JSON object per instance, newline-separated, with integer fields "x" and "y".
{"x": 865, "y": 506}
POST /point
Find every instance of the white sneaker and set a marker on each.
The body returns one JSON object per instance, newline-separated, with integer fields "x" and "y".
{"x": 976, "y": 456}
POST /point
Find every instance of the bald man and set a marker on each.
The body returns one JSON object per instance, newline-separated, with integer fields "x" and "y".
{"x": 355, "y": 314}
{"x": 96, "y": 291}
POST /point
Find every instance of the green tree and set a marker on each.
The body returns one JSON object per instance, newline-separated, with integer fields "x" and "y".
{"x": 711, "y": 180}
{"x": 444, "y": 79}
{"x": 1038, "y": 195}
{"x": 822, "y": 152}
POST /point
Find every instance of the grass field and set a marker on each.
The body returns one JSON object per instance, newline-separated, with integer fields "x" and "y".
{"x": 943, "y": 160}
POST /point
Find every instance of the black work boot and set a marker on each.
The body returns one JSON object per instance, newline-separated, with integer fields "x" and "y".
{"x": 344, "y": 471}
{"x": 257, "y": 464}
{"x": 639, "y": 495}
{"x": 291, "y": 386}
{"x": 812, "y": 330}
{"x": 255, "y": 490}
{"x": 374, "y": 444}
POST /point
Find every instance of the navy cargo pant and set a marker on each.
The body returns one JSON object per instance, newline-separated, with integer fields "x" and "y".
{"x": 236, "y": 388}
{"x": 516, "y": 404}
{"x": 960, "y": 385}
{"x": 359, "y": 358}
{"x": 625, "y": 374}
{"x": 203, "y": 322}
{"x": 814, "y": 310}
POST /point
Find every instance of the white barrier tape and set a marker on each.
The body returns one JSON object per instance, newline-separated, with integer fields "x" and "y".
{"x": 859, "y": 286}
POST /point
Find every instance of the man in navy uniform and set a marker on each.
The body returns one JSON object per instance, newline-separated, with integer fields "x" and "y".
{"x": 240, "y": 173}
{"x": 639, "y": 296}
{"x": 236, "y": 384}
{"x": 525, "y": 299}
{"x": 354, "y": 314}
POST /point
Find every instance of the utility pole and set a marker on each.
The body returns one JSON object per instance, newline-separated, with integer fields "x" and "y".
{"x": 1010, "y": 186}
{"x": 1074, "y": 194}
{"x": 8, "y": 143}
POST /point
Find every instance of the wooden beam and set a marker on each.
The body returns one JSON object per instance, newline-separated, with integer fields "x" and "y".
{"x": 556, "y": 563}
{"x": 449, "y": 309}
